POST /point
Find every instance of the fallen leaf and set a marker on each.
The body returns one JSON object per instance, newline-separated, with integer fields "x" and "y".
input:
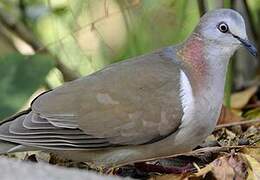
{"x": 254, "y": 167}
{"x": 203, "y": 171}
{"x": 240, "y": 99}
{"x": 227, "y": 116}
{"x": 253, "y": 152}
{"x": 251, "y": 175}
{"x": 222, "y": 170}
{"x": 229, "y": 167}
{"x": 239, "y": 166}
{"x": 237, "y": 112}
{"x": 42, "y": 156}
{"x": 169, "y": 177}
{"x": 253, "y": 114}
{"x": 230, "y": 134}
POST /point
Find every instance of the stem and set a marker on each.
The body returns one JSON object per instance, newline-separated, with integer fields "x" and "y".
{"x": 251, "y": 21}
{"x": 227, "y": 3}
{"x": 201, "y": 6}
{"x": 228, "y": 84}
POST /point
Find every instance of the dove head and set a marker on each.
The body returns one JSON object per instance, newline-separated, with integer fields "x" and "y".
{"x": 208, "y": 49}
{"x": 225, "y": 29}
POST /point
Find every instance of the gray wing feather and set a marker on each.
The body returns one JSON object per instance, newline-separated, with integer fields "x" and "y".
{"x": 131, "y": 102}
{"x": 14, "y": 131}
{"x": 17, "y": 127}
{"x": 29, "y": 124}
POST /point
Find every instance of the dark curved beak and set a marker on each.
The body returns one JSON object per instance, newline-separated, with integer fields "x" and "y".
{"x": 249, "y": 46}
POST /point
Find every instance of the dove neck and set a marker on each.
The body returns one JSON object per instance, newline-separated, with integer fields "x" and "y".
{"x": 205, "y": 65}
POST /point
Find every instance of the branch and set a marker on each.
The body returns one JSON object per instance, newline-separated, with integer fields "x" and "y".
{"x": 19, "y": 29}
{"x": 237, "y": 123}
{"x": 4, "y": 34}
{"x": 68, "y": 74}
{"x": 25, "y": 34}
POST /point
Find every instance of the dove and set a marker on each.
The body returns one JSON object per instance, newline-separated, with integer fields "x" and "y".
{"x": 144, "y": 108}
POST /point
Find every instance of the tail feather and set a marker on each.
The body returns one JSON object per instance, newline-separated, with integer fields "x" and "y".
{"x": 11, "y": 118}
{"x": 6, "y": 146}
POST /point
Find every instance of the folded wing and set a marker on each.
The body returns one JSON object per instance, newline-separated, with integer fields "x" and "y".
{"x": 128, "y": 103}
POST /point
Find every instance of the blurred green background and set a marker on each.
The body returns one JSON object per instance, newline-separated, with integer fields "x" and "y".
{"x": 46, "y": 42}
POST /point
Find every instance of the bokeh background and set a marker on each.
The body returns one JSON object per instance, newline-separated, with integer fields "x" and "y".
{"x": 44, "y": 43}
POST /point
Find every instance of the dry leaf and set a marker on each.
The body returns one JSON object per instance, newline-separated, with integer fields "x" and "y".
{"x": 254, "y": 167}
{"x": 169, "y": 177}
{"x": 251, "y": 175}
{"x": 222, "y": 170}
{"x": 228, "y": 116}
{"x": 203, "y": 171}
{"x": 240, "y": 99}
{"x": 253, "y": 114}
{"x": 236, "y": 161}
{"x": 227, "y": 167}
{"x": 253, "y": 152}
{"x": 42, "y": 156}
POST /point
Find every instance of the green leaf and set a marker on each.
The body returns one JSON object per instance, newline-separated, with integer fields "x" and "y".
{"x": 253, "y": 113}
{"x": 20, "y": 77}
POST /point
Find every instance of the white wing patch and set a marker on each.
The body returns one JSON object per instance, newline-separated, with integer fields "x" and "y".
{"x": 106, "y": 99}
{"x": 187, "y": 99}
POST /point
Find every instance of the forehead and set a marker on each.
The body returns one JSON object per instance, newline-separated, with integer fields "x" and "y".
{"x": 227, "y": 15}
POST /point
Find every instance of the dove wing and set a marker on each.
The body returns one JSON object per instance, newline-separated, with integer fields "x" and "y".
{"x": 133, "y": 102}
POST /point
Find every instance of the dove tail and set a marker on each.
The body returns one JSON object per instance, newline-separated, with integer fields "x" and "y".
{"x": 11, "y": 118}
{"x": 6, "y": 146}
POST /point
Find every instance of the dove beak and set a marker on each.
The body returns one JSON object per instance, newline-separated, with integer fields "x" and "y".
{"x": 249, "y": 46}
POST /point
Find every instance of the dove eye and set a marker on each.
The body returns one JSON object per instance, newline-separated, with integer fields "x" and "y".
{"x": 223, "y": 27}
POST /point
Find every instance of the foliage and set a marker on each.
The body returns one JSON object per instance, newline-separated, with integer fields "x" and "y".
{"x": 20, "y": 77}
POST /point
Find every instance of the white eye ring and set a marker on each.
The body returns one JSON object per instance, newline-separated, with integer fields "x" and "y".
{"x": 223, "y": 27}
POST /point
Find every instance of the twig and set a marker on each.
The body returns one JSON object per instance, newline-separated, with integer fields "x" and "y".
{"x": 22, "y": 7}
{"x": 199, "y": 151}
{"x": 68, "y": 75}
{"x": 92, "y": 23}
{"x": 237, "y": 123}
{"x": 216, "y": 149}
{"x": 19, "y": 29}
{"x": 6, "y": 37}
